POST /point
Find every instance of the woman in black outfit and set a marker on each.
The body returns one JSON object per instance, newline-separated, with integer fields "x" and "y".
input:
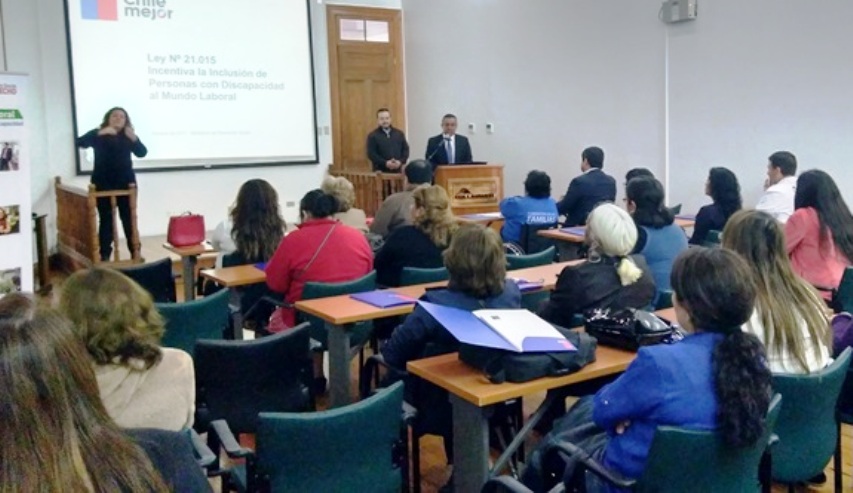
{"x": 113, "y": 142}
{"x": 724, "y": 190}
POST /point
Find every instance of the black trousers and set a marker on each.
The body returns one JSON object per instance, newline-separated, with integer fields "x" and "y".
{"x": 105, "y": 224}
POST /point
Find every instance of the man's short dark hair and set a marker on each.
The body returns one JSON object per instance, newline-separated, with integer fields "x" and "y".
{"x": 537, "y": 184}
{"x": 380, "y": 110}
{"x": 594, "y": 156}
{"x": 418, "y": 172}
{"x": 449, "y": 115}
{"x": 638, "y": 172}
{"x": 785, "y": 161}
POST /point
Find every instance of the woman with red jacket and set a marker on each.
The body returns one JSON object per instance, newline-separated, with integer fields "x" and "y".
{"x": 320, "y": 250}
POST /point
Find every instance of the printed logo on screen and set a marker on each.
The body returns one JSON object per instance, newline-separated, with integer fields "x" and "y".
{"x": 108, "y": 10}
{"x": 10, "y": 117}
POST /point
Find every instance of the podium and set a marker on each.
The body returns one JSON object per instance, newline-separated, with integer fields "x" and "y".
{"x": 472, "y": 188}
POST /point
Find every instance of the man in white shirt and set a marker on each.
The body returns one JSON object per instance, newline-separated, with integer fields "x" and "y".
{"x": 448, "y": 147}
{"x": 781, "y": 186}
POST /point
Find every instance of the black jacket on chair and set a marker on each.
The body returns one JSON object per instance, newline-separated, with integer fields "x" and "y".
{"x": 584, "y": 193}
{"x": 436, "y": 154}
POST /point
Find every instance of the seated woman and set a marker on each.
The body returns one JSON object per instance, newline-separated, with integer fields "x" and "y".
{"x": 724, "y": 190}
{"x": 254, "y": 227}
{"x": 421, "y": 244}
{"x": 477, "y": 265}
{"x": 142, "y": 384}
{"x": 536, "y": 207}
{"x": 659, "y": 239}
{"x": 56, "y": 434}
{"x": 342, "y": 190}
{"x": 609, "y": 278}
{"x": 819, "y": 235}
{"x": 714, "y": 379}
{"x": 321, "y": 250}
{"x": 789, "y": 317}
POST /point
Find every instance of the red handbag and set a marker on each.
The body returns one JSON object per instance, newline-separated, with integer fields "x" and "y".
{"x": 186, "y": 230}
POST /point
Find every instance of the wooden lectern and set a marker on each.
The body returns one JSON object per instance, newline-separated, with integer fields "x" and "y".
{"x": 472, "y": 188}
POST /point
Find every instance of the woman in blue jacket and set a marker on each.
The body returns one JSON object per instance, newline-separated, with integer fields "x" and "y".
{"x": 716, "y": 378}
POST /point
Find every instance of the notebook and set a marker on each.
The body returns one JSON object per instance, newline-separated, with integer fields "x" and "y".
{"x": 521, "y": 331}
{"x": 384, "y": 298}
{"x": 525, "y": 285}
{"x": 484, "y": 215}
{"x": 576, "y": 230}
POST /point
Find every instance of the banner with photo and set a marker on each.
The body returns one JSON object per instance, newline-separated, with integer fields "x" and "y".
{"x": 16, "y": 225}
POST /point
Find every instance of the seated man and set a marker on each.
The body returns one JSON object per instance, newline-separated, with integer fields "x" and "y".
{"x": 781, "y": 185}
{"x": 396, "y": 210}
{"x": 536, "y": 207}
{"x": 587, "y": 190}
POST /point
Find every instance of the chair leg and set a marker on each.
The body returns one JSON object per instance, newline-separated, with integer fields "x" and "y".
{"x": 838, "y": 462}
{"x": 416, "y": 462}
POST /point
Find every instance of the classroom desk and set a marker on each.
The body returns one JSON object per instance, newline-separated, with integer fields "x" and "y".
{"x": 473, "y": 398}
{"x": 233, "y": 278}
{"x": 189, "y": 259}
{"x": 484, "y": 218}
{"x": 340, "y": 312}
{"x": 560, "y": 235}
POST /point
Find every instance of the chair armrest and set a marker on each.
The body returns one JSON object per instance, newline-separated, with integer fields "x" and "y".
{"x": 229, "y": 443}
{"x": 370, "y": 366}
{"x": 267, "y": 300}
{"x": 592, "y": 465}
{"x": 204, "y": 456}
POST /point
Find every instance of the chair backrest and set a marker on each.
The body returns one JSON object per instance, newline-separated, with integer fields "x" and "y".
{"x": 156, "y": 278}
{"x": 205, "y": 318}
{"x": 807, "y": 426}
{"x": 544, "y": 257}
{"x": 251, "y": 294}
{"x": 313, "y": 290}
{"x": 236, "y": 380}
{"x": 699, "y": 461}
{"x": 713, "y": 239}
{"x": 349, "y": 448}
{"x": 843, "y": 300}
{"x": 675, "y": 210}
{"x": 664, "y": 299}
{"x": 417, "y": 275}
{"x": 531, "y": 242}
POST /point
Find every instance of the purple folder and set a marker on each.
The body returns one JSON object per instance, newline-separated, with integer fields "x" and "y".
{"x": 261, "y": 265}
{"x": 383, "y": 298}
{"x": 577, "y": 231}
{"x": 525, "y": 285}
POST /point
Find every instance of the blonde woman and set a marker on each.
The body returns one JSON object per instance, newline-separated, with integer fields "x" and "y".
{"x": 790, "y": 317}
{"x": 142, "y": 384}
{"x": 344, "y": 193}
{"x": 421, "y": 244}
{"x": 609, "y": 278}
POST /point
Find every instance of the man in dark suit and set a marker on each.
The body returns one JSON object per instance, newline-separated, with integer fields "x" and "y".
{"x": 448, "y": 148}
{"x": 387, "y": 148}
{"x": 587, "y": 190}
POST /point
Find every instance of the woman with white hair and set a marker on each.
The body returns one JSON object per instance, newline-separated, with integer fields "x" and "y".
{"x": 609, "y": 278}
{"x": 344, "y": 192}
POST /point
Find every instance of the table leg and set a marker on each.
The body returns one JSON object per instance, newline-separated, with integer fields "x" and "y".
{"x": 235, "y": 305}
{"x": 470, "y": 445}
{"x": 188, "y": 263}
{"x": 339, "y": 363}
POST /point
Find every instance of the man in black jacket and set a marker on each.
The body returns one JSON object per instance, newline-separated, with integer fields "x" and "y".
{"x": 448, "y": 147}
{"x": 587, "y": 190}
{"x": 387, "y": 148}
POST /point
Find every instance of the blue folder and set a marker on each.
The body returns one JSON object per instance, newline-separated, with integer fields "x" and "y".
{"x": 467, "y": 328}
{"x": 383, "y": 298}
{"x": 576, "y": 230}
{"x": 261, "y": 265}
{"x": 524, "y": 285}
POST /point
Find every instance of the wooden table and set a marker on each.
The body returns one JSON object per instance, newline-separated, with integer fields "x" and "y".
{"x": 340, "y": 312}
{"x": 189, "y": 259}
{"x": 473, "y": 399}
{"x": 560, "y": 235}
{"x": 484, "y": 218}
{"x": 233, "y": 278}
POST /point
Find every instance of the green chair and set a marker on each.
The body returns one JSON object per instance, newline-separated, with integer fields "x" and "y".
{"x": 544, "y": 257}
{"x": 843, "y": 298}
{"x": 808, "y": 427}
{"x": 204, "y": 318}
{"x": 713, "y": 239}
{"x": 681, "y": 460}
{"x": 664, "y": 300}
{"x": 417, "y": 275}
{"x": 675, "y": 210}
{"x": 351, "y": 448}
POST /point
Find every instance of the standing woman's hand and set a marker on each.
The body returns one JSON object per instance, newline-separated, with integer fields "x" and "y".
{"x": 128, "y": 131}
{"x": 108, "y": 130}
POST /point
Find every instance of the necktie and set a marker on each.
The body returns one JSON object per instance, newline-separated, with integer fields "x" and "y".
{"x": 448, "y": 149}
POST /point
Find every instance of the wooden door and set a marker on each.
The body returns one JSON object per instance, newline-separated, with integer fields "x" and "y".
{"x": 366, "y": 73}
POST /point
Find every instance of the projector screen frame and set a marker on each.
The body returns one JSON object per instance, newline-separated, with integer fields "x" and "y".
{"x": 194, "y": 167}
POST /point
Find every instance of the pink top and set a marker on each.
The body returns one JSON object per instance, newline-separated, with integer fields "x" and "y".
{"x": 817, "y": 262}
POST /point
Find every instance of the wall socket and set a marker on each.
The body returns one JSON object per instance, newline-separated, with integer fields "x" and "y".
{"x": 490, "y": 128}
{"x": 290, "y": 204}
{"x": 472, "y": 128}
